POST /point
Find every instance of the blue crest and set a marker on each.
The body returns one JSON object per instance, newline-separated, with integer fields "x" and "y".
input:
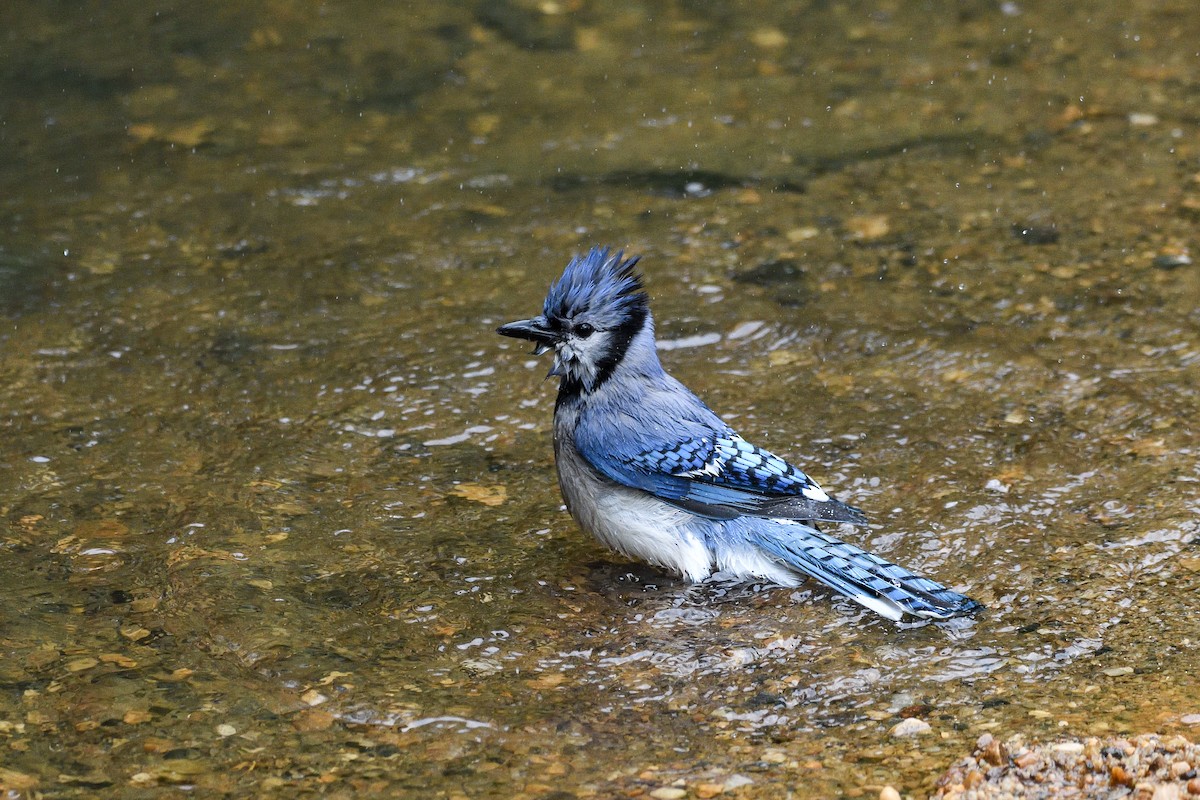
{"x": 604, "y": 286}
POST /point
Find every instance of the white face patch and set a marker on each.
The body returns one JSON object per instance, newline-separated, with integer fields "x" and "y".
{"x": 579, "y": 359}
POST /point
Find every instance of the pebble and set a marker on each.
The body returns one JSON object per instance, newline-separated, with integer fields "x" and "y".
{"x": 991, "y": 750}
{"x": 1035, "y": 234}
{"x": 669, "y": 793}
{"x": 225, "y": 729}
{"x": 868, "y": 228}
{"x": 481, "y": 667}
{"x": 768, "y": 38}
{"x": 736, "y": 781}
{"x": 1168, "y": 261}
{"x": 911, "y": 727}
{"x": 888, "y": 793}
{"x": 313, "y": 719}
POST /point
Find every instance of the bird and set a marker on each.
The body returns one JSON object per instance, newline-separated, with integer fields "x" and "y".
{"x": 651, "y": 472}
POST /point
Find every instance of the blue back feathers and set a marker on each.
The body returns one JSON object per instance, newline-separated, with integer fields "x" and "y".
{"x": 603, "y": 286}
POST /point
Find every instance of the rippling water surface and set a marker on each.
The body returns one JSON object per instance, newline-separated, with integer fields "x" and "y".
{"x": 280, "y": 509}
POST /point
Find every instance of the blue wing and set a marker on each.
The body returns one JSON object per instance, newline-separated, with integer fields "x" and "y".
{"x": 674, "y": 447}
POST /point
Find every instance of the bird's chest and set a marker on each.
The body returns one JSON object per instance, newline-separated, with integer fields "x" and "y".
{"x": 625, "y": 519}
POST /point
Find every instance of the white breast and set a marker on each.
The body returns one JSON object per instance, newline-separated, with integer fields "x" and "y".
{"x": 629, "y": 521}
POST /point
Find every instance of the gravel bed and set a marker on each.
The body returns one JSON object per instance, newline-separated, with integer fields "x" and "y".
{"x": 1146, "y": 767}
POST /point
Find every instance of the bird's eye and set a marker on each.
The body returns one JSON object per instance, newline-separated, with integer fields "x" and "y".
{"x": 584, "y": 330}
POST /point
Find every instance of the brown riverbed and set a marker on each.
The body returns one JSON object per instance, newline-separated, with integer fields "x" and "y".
{"x": 280, "y": 512}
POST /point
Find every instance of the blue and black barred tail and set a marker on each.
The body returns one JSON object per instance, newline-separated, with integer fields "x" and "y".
{"x": 867, "y": 579}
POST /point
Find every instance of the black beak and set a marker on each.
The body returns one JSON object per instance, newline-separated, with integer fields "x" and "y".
{"x": 534, "y": 330}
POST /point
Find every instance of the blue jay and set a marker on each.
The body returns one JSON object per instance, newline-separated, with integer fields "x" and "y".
{"x": 650, "y": 471}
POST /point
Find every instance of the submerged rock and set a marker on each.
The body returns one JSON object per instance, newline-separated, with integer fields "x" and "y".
{"x": 911, "y": 726}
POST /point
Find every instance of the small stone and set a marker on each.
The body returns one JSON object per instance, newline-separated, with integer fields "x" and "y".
{"x": 706, "y": 790}
{"x": 868, "y": 228}
{"x": 1179, "y": 769}
{"x": 481, "y": 667}
{"x": 993, "y": 751}
{"x": 669, "y": 793}
{"x": 1069, "y": 748}
{"x": 802, "y": 234}
{"x": 313, "y": 719}
{"x": 769, "y": 38}
{"x": 134, "y": 633}
{"x": 1064, "y": 273}
{"x": 156, "y": 744}
{"x": 1142, "y": 119}
{"x": 1026, "y": 759}
{"x": 1167, "y": 791}
{"x": 736, "y": 781}
{"x": 80, "y": 664}
{"x": 1193, "y": 786}
{"x": 1116, "y": 672}
{"x": 1035, "y": 234}
{"x": 1190, "y": 719}
{"x": 225, "y": 730}
{"x": 888, "y": 793}
{"x": 313, "y": 697}
{"x": 911, "y": 727}
{"x": 775, "y": 272}
{"x": 1117, "y": 776}
{"x": 120, "y": 660}
{"x": 1169, "y": 261}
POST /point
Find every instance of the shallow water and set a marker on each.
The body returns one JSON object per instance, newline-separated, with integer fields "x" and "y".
{"x": 280, "y": 507}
